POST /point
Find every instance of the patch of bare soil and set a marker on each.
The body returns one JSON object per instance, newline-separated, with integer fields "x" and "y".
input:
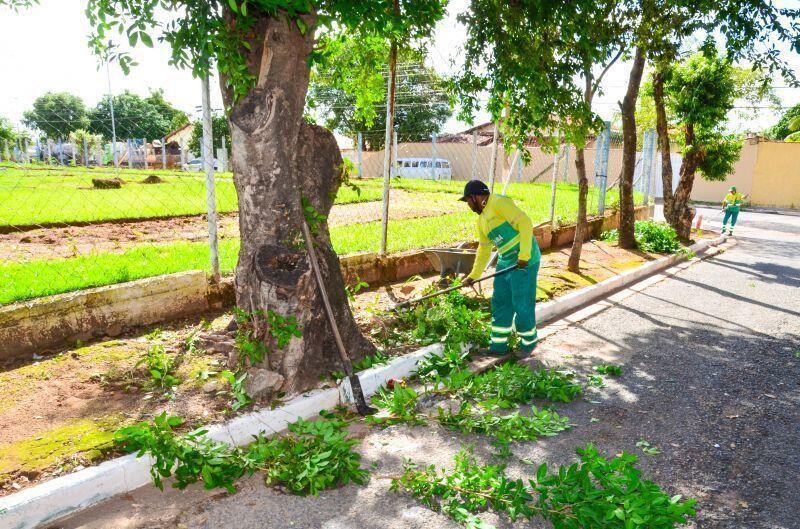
{"x": 71, "y": 241}
{"x": 75, "y": 399}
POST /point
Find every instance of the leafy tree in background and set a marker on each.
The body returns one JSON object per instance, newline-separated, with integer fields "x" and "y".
{"x": 7, "y": 132}
{"x": 783, "y": 128}
{"x": 93, "y": 141}
{"x": 134, "y": 117}
{"x": 177, "y": 118}
{"x": 699, "y": 92}
{"x": 527, "y": 56}
{"x": 219, "y": 128}
{"x": 747, "y": 30}
{"x": 56, "y": 114}
{"x": 753, "y": 90}
{"x": 421, "y": 104}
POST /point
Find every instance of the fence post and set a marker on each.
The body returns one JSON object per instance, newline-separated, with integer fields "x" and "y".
{"x": 493, "y": 162}
{"x": 433, "y": 157}
{"x": 519, "y": 169}
{"x": 360, "y": 148}
{"x": 648, "y": 155}
{"x": 49, "y": 152}
{"x": 223, "y": 158}
{"x": 601, "y": 168}
{"x": 554, "y": 179}
{"x": 163, "y": 153}
{"x": 387, "y": 146}
{"x": 395, "y": 154}
{"x": 208, "y": 166}
{"x": 60, "y": 152}
{"x": 144, "y": 151}
{"x": 474, "y": 155}
{"x": 85, "y": 151}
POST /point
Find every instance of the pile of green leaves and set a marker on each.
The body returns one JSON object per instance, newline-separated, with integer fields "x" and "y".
{"x": 500, "y": 388}
{"x": 593, "y": 492}
{"x": 651, "y": 236}
{"x": 655, "y": 237}
{"x": 609, "y": 369}
{"x": 317, "y": 456}
{"x": 400, "y": 403}
{"x": 504, "y": 428}
{"x": 452, "y": 319}
{"x": 314, "y": 456}
{"x": 511, "y": 384}
{"x": 189, "y": 458}
{"x": 161, "y": 367}
{"x": 435, "y": 365}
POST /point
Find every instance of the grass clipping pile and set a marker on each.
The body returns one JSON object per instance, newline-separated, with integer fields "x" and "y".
{"x": 593, "y": 492}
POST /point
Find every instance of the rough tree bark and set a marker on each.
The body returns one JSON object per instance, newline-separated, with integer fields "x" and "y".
{"x": 276, "y": 157}
{"x": 582, "y": 224}
{"x": 626, "y": 211}
{"x": 682, "y": 214}
{"x": 662, "y": 129}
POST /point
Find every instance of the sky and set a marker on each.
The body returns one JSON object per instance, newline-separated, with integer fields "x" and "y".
{"x": 45, "y": 49}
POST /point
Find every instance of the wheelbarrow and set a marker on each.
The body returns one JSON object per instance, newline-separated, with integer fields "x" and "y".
{"x": 451, "y": 261}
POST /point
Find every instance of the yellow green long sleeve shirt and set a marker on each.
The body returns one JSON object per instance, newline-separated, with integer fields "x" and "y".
{"x": 733, "y": 199}
{"x": 504, "y": 225}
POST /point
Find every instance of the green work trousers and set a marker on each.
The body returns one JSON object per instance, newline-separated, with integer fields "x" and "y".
{"x": 732, "y": 213}
{"x": 514, "y": 304}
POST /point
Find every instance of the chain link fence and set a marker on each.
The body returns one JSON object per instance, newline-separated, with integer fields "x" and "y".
{"x": 80, "y": 212}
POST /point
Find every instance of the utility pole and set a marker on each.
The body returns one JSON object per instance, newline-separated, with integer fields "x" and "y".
{"x": 208, "y": 167}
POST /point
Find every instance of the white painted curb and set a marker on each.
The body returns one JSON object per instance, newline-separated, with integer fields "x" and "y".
{"x": 571, "y": 301}
{"x": 64, "y": 495}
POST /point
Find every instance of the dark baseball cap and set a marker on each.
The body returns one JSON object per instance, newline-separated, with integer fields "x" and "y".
{"x": 474, "y": 187}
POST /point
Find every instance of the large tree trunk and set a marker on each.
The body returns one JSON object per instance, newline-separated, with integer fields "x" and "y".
{"x": 626, "y": 210}
{"x": 582, "y": 225}
{"x": 681, "y": 212}
{"x": 662, "y": 129}
{"x": 276, "y": 157}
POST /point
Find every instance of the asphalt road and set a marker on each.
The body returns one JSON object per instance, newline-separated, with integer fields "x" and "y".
{"x": 710, "y": 378}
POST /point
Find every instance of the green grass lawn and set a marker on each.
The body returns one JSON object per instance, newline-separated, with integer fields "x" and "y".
{"x": 37, "y": 195}
{"x": 41, "y": 277}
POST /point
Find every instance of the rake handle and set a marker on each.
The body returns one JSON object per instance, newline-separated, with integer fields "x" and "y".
{"x": 450, "y": 289}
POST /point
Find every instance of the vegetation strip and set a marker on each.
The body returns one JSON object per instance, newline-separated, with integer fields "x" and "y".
{"x": 594, "y": 492}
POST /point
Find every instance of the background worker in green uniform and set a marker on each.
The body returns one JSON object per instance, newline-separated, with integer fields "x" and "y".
{"x": 503, "y": 225}
{"x": 730, "y": 205}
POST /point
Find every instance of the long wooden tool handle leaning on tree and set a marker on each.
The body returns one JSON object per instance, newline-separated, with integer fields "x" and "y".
{"x": 355, "y": 384}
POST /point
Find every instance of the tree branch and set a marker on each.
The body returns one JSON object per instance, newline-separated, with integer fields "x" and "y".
{"x": 605, "y": 70}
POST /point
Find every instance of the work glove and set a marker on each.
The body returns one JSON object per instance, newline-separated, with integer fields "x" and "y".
{"x": 468, "y": 282}
{"x": 522, "y": 265}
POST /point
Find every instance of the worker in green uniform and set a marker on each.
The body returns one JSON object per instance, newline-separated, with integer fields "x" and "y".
{"x": 503, "y": 225}
{"x": 730, "y": 205}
